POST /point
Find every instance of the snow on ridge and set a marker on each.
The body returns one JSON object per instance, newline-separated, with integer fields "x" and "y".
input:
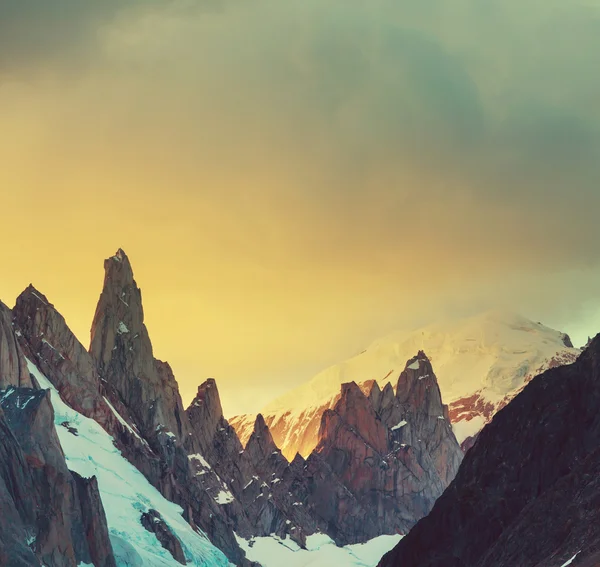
{"x": 493, "y": 351}
{"x": 36, "y": 295}
{"x": 126, "y": 494}
{"x": 571, "y": 560}
{"x": 400, "y": 425}
{"x": 320, "y": 551}
{"x": 124, "y": 423}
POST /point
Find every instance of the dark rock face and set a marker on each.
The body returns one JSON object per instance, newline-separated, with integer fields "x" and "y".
{"x": 148, "y": 399}
{"x": 260, "y": 505}
{"x": 49, "y": 342}
{"x": 394, "y": 453}
{"x": 94, "y": 521}
{"x": 56, "y": 529}
{"x": 154, "y": 523}
{"x": 13, "y": 369}
{"x": 527, "y": 492}
{"x": 122, "y": 350}
{"x": 18, "y": 518}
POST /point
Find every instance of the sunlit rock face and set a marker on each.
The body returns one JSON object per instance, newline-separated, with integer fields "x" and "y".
{"x": 481, "y": 363}
{"x": 395, "y": 453}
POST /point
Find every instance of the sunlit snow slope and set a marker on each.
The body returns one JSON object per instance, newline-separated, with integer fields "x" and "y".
{"x": 320, "y": 552}
{"x": 126, "y": 494}
{"x": 480, "y": 362}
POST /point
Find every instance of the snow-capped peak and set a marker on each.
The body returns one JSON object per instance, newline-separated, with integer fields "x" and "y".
{"x": 489, "y": 356}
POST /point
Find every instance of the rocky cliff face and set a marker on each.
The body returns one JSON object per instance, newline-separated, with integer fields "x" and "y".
{"x": 147, "y": 390}
{"x": 395, "y": 453}
{"x": 259, "y": 506}
{"x": 52, "y": 511}
{"x": 527, "y": 491}
{"x": 13, "y": 370}
{"x": 48, "y": 341}
{"x": 45, "y": 338}
{"x": 122, "y": 351}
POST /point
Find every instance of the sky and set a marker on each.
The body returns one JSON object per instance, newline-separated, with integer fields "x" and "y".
{"x": 292, "y": 180}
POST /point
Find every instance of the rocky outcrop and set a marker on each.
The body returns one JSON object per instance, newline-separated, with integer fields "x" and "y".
{"x": 147, "y": 390}
{"x": 45, "y": 338}
{"x": 122, "y": 351}
{"x": 258, "y": 505}
{"x": 56, "y": 531}
{"x": 94, "y": 521}
{"x": 264, "y": 455}
{"x": 49, "y": 342}
{"x": 13, "y": 369}
{"x": 527, "y": 491}
{"x": 154, "y": 523}
{"x": 395, "y": 453}
{"x": 18, "y": 518}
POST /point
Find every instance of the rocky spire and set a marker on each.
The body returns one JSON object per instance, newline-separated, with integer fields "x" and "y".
{"x": 122, "y": 351}
{"x": 264, "y": 455}
{"x": 53, "y": 347}
{"x": 13, "y": 368}
{"x": 206, "y": 414}
{"x": 429, "y": 431}
{"x": 395, "y": 453}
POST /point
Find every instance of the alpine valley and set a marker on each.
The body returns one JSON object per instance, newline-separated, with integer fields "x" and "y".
{"x": 441, "y": 442}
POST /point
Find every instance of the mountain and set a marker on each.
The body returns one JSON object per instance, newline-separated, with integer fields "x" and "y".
{"x": 528, "y": 492}
{"x": 101, "y": 464}
{"x": 482, "y": 362}
{"x": 137, "y": 479}
{"x": 50, "y": 515}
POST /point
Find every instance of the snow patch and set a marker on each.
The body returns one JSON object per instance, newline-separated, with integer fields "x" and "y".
{"x": 320, "y": 551}
{"x": 415, "y": 365}
{"x": 400, "y": 425}
{"x": 124, "y": 423}
{"x": 122, "y": 328}
{"x": 126, "y": 494}
{"x": 224, "y": 497}
{"x": 571, "y": 560}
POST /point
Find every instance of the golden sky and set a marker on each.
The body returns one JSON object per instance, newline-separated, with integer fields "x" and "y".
{"x": 292, "y": 180}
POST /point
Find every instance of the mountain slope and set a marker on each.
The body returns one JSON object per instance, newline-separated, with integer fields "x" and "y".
{"x": 481, "y": 363}
{"x": 126, "y": 494}
{"x": 527, "y": 493}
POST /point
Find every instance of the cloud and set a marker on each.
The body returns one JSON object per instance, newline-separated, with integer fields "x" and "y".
{"x": 374, "y": 161}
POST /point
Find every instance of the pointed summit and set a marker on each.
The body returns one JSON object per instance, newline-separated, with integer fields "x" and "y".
{"x": 52, "y": 346}
{"x": 262, "y": 451}
{"x": 205, "y": 416}
{"x": 122, "y": 351}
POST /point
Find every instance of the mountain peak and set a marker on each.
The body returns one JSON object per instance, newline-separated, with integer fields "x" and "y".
{"x": 120, "y": 256}
{"x": 118, "y": 269}
{"x": 31, "y": 291}
{"x": 123, "y": 354}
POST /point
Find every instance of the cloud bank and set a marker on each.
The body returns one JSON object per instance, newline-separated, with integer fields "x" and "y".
{"x": 305, "y": 176}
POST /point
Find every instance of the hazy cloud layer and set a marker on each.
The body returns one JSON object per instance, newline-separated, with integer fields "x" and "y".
{"x": 300, "y": 177}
